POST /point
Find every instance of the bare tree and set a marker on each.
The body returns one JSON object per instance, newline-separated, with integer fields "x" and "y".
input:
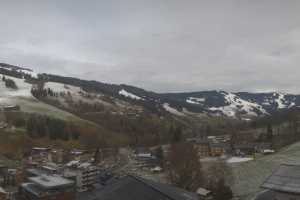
{"x": 215, "y": 177}
{"x": 216, "y": 171}
{"x": 183, "y": 167}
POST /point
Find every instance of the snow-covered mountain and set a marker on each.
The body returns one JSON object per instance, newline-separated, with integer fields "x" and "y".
{"x": 241, "y": 105}
{"x": 234, "y": 104}
{"x": 238, "y": 105}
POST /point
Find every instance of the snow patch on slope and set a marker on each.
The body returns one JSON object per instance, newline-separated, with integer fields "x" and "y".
{"x": 266, "y": 103}
{"x": 7, "y": 94}
{"x": 25, "y": 71}
{"x": 239, "y": 160}
{"x": 292, "y": 104}
{"x": 60, "y": 87}
{"x": 236, "y": 104}
{"x": 129, "y": 95}
{"x": 195, "y": 100}
{"x": 29, "y": 72}
{"x": 280, "y": 101}
{"x": 171, "y": 110}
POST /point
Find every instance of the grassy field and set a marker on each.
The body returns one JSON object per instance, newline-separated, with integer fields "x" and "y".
{"x": 36, "y": 106}
{"x": 250, "y": 175}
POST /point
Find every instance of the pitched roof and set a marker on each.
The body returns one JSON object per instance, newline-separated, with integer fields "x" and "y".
{"x": 135, "y": 188}
{"x": 203, "y": 192}
{"x": 285, "y": 179}
{"x": 265, "y": 195}
{"x": 173, "y": 193}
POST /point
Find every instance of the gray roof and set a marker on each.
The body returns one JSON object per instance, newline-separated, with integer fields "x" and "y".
{"x": 49, "y": 182}
{"x": 33, "y": 189}
{"x": 265, "y": 195}
{"x": 172, "y": 192}
{"x": 220, "y": 144}
{"x": 245, "y": 146}
{"x": 198, "y": 140}
{"x": 203, "y": 192}
{"x": 285, "y": 179}
{"x": 142, "y": 150}
{"x": 35, "y": 171}
{"x": 134, "y": 188}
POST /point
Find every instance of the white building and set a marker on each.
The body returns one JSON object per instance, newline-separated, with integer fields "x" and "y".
{"x": 84, "y": 174}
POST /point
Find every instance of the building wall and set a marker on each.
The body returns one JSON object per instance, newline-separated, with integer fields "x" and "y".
{"x": 86, "y": 178}
{"x": 203, "y": 150}
{"x": 217, "y": 151}
{"x": 3, "y": 196}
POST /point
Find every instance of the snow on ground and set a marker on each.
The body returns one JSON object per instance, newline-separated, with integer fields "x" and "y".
{"x": 238, "y": 159}
{"x": 25, "y": 71}
{"x": 267, "y": 101}
{"x": 7, "y": 94}
{"x": 60, "y": 87}
{"x": 168, "y": 108}
{"x": 130, "y": 95}
{"x": 280, "y": 101}
{"x": 246, "y": 119}
{"x": 236, "y": 104}
{"x": 23, "y": 97}
{"x": 32, "y": 73}
{"x": 227, "y": 110}
{"x": 195, "y": 100}
{"x": 292, "y": 104}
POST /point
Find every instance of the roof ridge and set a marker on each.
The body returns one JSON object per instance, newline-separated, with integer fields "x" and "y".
{"x": 289, "y": 164}
{"x": 151, "y": 186}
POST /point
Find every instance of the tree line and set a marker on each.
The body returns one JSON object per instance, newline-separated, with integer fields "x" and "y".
{"x": 9, "y": 83}
{"x": 38, "y": 126}
{"x": 41, "y": 126}
{"x": 145, "y": 128}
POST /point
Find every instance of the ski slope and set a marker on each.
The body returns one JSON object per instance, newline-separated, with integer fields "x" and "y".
{"x": 8, "y": 95}
{"x": 23, "y": 97}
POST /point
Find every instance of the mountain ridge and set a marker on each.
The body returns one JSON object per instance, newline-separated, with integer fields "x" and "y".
{"x": 243, "y": 105}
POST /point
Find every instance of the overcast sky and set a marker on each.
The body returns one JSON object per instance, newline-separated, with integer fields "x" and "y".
{"x": 160, "y": 45}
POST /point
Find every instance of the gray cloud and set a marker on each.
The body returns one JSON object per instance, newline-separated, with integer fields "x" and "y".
{"x": 161, "y": 45}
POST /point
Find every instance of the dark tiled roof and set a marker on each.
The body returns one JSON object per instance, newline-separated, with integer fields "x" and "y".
{"x": 198, "y": 140}
{"x": 245, "y": 146}
{"x": 265, "y": 195}
{"x": 173, "y": 193}
{"x": 134, "y": 188}
{"x": 285, "y": 179}
{"x": 142, "y": 150}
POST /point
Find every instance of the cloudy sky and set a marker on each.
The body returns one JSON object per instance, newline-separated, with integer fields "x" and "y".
{"x": 160, "y": 45}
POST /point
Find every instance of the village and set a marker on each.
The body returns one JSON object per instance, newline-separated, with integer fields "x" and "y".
{"x": 79, "y": 174}
{"x": 51, "y": 173}
{"x": 150, "y": 100}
